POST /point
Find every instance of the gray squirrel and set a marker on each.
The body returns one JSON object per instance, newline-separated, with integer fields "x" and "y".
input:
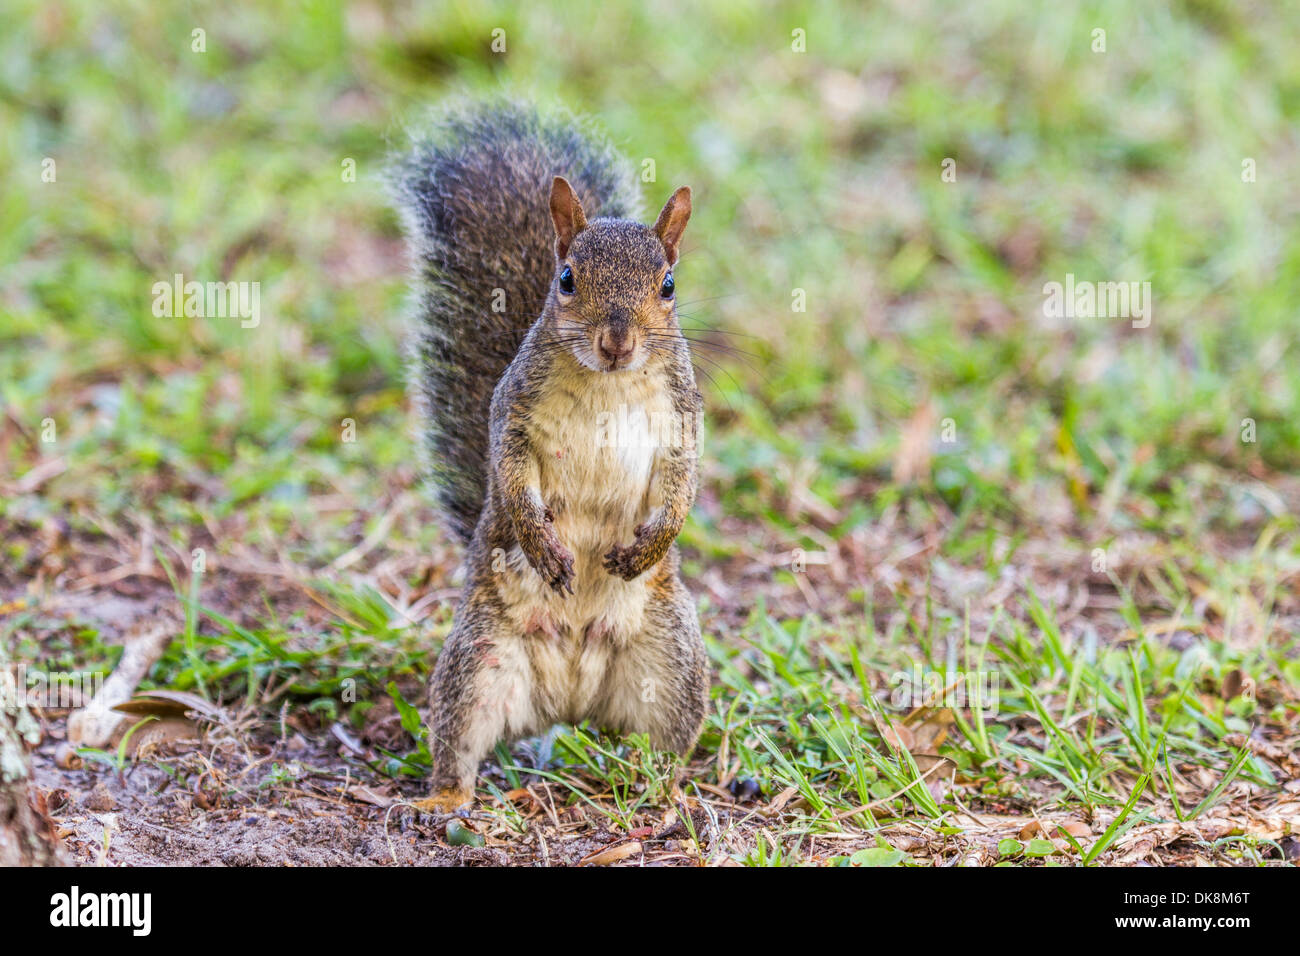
{"x": 544, "y": 309}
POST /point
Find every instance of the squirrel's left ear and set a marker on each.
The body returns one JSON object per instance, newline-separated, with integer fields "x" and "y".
{"x": 672, "y": 222}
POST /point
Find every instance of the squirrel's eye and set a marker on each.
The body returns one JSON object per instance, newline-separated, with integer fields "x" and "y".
{"x": 566, "y": 281}
{"x": 666, "y": 290}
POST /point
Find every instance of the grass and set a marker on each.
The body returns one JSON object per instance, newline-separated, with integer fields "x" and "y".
{"x": 919, "y": 468}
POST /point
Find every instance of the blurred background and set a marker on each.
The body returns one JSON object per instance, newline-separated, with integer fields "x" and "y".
{"x": 819, "y": 171}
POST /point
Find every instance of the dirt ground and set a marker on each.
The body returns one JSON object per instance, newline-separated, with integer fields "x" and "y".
{"x": 282, "y": 793}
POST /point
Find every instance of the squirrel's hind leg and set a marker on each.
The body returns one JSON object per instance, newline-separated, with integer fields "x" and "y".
{"x": 482, "y": 692}
{"x": 658, "y": 682}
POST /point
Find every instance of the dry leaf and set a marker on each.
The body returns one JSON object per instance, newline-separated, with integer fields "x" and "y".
{"x": 929, "y": 727}
{"x": 781, "y": 799}
{"x": 912, "y": 460}
{"x": 898, "y": 736}
{"x": 169, "y": 703}
{"x": 1272, "y": 823}
{"x": 938, "y": 773}
{"x": 1076, "y": 828}
{"x": 364, "y": 794}
{"x": 611, "y": 854}
{"x": 156, "y": 733}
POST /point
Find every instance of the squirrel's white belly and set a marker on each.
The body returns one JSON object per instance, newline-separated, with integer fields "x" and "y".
{"x": 596, "y": 470}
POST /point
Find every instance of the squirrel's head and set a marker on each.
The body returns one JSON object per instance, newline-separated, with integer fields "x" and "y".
{"x": 613, "y": 290}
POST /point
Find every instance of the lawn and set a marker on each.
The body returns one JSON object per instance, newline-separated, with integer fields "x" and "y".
{"x": 980, "y": 583}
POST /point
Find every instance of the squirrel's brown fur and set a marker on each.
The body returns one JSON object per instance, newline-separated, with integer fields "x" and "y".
{"x": 573, "y": 609}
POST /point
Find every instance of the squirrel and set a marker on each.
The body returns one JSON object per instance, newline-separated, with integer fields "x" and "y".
{"x": 545, "y": 312}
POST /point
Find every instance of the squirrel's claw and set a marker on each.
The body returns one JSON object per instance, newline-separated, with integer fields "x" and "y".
{"x": 628, "y": 562}
{"x": 561, "y": 585}
{"x": 445, "y": 800}
{"x": 621, "y": 562}
{"x": 556, "y": 567}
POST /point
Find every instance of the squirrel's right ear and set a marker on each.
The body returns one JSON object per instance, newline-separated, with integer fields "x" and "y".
{"x": 566, "y": 213}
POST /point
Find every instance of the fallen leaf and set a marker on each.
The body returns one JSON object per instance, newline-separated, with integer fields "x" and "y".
{"x": 1289, "y": 760}
{"x": 364, "y": 794}
{"x": 938, "y": 773}
{"x": 929, "y": 727}
{"x": 169, "y": 703}
{"x": 156, "y": 733}
{"x": 912, "y": 460}
{"x": 781, "y": 799}
{"x": 898, "y": 736}
{"x": 611, "y": 854}
{"x": 1076, "y": 828}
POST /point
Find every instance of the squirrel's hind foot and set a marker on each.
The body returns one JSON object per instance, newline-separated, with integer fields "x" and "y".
{"x": 446, "y": 800}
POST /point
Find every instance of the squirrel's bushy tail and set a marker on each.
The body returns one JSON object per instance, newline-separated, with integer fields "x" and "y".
{"x": 473, "y": 191}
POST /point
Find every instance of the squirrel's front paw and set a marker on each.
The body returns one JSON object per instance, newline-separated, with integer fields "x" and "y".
{"x": 631, "y": 561}
{"x": 622, "y": 562}
{"x": 638, "y": 557}
{"x": 555, "y": 565}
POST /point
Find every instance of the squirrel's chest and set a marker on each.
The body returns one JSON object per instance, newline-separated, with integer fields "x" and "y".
{"x": 597, "y": 446}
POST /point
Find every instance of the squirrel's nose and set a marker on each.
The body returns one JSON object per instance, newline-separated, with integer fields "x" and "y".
{"x": 615, "y": 345}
